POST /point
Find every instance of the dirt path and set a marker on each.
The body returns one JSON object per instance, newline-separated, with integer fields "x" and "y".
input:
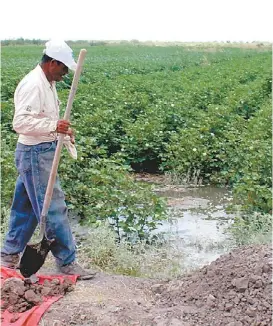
{"x": 235, "y": 290}
{"x": 105, "y": 300}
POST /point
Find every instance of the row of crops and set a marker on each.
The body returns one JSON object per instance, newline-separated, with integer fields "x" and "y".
{"x": 202, "y": 114}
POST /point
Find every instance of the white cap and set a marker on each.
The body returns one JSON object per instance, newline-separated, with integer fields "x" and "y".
{"x": 60, "y": 51}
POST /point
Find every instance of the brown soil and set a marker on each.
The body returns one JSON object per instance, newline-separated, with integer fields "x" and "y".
{"x": 18, "y": 295}
{"x": 235, "y": 290}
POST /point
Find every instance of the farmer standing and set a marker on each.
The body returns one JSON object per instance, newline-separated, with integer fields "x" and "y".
{"x": 36, "y": 121}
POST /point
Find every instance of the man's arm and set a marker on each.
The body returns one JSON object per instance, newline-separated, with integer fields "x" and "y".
{"x": 27, "y": 118}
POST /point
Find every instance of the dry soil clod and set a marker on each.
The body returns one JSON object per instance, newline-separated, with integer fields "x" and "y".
{"x": 18, "y": 295}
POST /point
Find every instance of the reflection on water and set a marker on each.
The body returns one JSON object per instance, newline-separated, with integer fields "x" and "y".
{"x": 197, "y": 224}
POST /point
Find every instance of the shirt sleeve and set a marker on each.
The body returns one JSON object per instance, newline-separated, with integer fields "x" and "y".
{"x": 27, "y": 118}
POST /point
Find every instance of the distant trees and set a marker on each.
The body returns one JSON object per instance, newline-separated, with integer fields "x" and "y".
{"x": 22, "y": 41}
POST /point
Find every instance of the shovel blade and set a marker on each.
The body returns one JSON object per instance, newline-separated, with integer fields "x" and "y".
{"x": 34, "y": 257}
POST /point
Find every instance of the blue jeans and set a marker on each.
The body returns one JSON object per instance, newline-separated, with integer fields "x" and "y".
{"x": 34, "y": 163}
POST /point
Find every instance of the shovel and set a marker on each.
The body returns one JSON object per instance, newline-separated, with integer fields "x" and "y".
{"x": 34, "y": 255}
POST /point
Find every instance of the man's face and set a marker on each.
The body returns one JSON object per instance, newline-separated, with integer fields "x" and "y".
{"x": 57, "y": 70}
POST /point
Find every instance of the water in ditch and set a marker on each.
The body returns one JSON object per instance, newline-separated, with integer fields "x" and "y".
{"x": 198, "y": 223}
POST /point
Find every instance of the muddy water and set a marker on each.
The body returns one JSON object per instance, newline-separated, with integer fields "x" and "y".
{"x": 198, "y": 221}
{"x": 197, "y": 224}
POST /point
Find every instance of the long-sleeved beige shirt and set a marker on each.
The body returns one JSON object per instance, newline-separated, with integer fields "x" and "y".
{"x": 36, "y": 109}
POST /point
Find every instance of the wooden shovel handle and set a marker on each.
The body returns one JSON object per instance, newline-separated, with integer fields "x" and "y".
{"x": 54, "y": 168}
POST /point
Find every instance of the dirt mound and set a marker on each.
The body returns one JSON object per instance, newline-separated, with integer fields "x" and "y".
{"x": 18, "y": 295}
{"x": 234, "y": 290}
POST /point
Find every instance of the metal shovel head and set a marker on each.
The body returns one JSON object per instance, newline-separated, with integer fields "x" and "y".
{"x": 34, "y": 257}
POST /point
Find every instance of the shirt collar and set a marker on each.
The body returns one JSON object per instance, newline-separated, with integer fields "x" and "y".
{"x": 40, "y": 71}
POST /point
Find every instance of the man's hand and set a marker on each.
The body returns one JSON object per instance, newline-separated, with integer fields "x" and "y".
{"x": 63, "y": 127}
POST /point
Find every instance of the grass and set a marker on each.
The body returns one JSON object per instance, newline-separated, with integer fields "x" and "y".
{"x": 100, "y": 249}
{"x": 252, "y": 229}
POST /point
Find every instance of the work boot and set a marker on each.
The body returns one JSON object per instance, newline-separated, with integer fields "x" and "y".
{"x": 75, "y": 269}
{"x": 10, "y": 261}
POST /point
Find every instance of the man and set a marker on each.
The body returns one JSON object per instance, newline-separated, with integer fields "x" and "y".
{"x": 37, "y": 122}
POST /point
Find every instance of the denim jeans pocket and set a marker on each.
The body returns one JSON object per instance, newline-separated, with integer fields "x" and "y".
{"x": 23, "y": 161}
{"x": 45, "y": 147}
{"x": 46, "y": 153}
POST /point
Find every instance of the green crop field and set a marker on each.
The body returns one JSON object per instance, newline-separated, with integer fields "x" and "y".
{"x": 201, "y": 113}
